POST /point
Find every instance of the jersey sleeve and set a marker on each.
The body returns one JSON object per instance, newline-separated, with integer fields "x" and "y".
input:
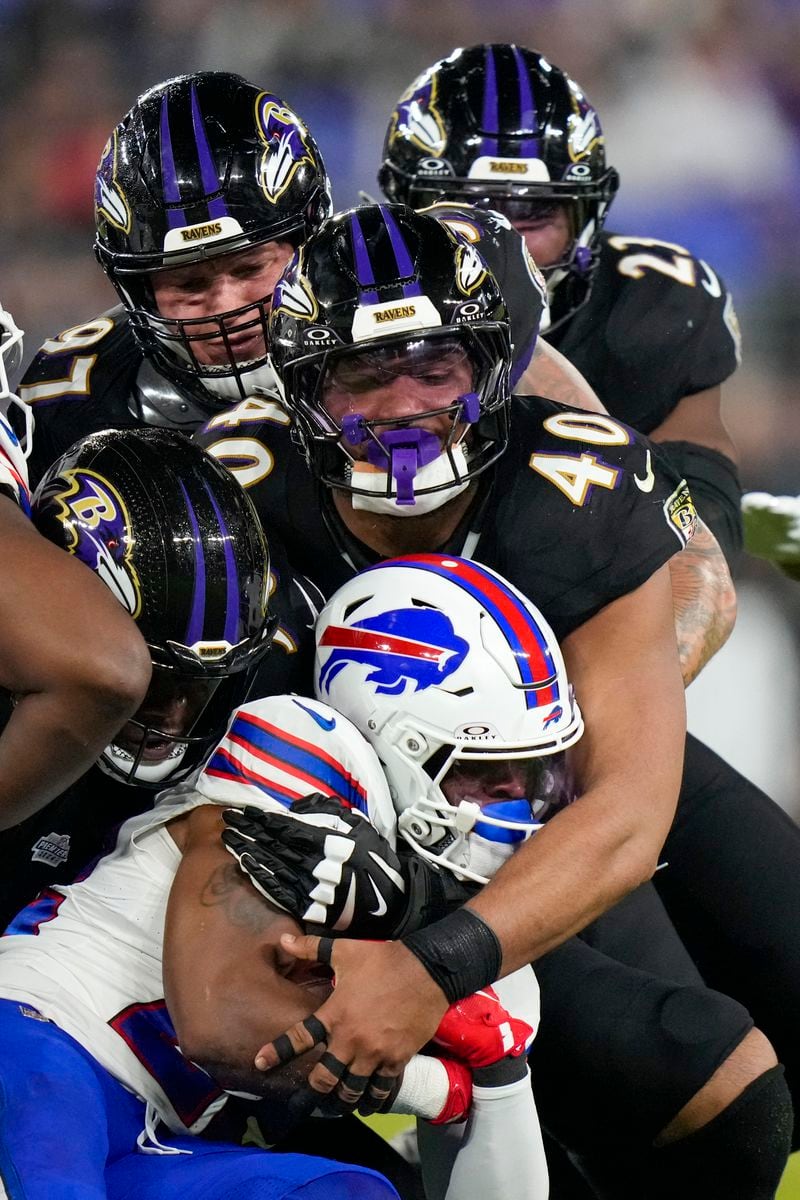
{"x": 77, "y": 383}
{"x": 594, "y": 511}
{"x": 505, "y": 253}
{"x": 13, "y": 467}
{"x": 673, "y": 315}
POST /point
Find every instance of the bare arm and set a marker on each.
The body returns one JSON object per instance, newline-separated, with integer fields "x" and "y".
{"x": 624, "y": 666}
{"x": 698, "y": 419}
{"x": 227, "y": 982}
{"x": 704, "y": 601}
{"x": 552, "y": 375}
{"x": 72, "y": 656}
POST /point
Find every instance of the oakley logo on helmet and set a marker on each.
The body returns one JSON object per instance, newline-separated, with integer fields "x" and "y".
{"x": 98, "y": 530}
{"x": 417, "y": 646}
{"x": 286, "y": 148}
{"x": 417, "y": 117}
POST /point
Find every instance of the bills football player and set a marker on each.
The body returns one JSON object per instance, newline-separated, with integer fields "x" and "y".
{"x": 68, "y": 703}
{"x": 183, "y": 973}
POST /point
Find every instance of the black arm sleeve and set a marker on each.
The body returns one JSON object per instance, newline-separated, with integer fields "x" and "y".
{"x": 713, "y": 480}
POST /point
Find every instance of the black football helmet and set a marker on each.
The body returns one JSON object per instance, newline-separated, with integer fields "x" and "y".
{"x": 176, "y": 539}
{"x": 500, "y": 126}
{"x": 203, "y": 165}
{"x": 376, "y": 293}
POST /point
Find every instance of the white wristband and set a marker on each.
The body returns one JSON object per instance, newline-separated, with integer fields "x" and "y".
{"x": 425, "y": 1088}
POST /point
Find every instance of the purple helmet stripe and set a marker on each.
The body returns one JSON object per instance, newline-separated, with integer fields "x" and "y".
{"x": 169, "y": 177}
{"x": 405, "y": 265}
{"x": 489, "y": 119}
{"x": 364, "y": 271}
{"x": 194, "y": 630}
{"x": 231, "y": 631}
{"x": 208, "y": 172}
{"x": 528, "y": 118}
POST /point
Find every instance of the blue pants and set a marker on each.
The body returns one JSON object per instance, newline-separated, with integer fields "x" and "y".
{"x": 68, "y": 1131}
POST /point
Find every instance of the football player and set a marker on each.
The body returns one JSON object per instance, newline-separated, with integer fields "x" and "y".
{"x": 651, "y": 327}
{"x": 203, "y": 191}
{"x": 392, "y": 346}
{"x": 177, "y": 544}
{"x": 71, "y": 693}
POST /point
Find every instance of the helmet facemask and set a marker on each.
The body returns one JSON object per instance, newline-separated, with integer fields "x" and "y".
{"x": 468, "y": 809}
{"x": 184, "y": 713}
{"x": 403, "y": 465}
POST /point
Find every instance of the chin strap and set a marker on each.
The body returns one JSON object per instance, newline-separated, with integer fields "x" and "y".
{"x": 403, "y": 452}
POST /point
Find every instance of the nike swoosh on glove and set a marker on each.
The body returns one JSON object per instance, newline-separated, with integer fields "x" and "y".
{"x": 323, "y": 862}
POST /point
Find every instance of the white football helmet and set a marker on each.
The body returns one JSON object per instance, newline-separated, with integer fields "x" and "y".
{"x": 453, "y": 676}
{"x": 10, "y": 362}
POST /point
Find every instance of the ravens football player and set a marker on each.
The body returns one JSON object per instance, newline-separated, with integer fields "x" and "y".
{"x": 399, "y": 435}
{"x": 649, "y": 325}
{"x": 176, "y": 541}
{"x": 203, "y": 191}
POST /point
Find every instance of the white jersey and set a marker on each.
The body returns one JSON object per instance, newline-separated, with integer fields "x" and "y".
{"x": 13, "y": 467}
{"x": 88, "y": 955}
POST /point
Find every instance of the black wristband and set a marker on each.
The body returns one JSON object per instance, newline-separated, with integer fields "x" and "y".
{"x": 461, "y": 953}
{"x": 507, "y": 1070}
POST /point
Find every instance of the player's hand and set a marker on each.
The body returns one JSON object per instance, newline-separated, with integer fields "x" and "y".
{"x": 383, "y": 1009}
{"x": 480, "y": 1032}
{"x": 772, "y": 530}
{"x": 322, "y": 862}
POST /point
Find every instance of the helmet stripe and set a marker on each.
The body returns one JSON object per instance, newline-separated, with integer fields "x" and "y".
{"x": 490, "y": 118}
{"x": 364, "y": 272}
{"x": 169, "y": 176}
{"x": 405, "y": 265}
{"x": 528, "y": 116}
{"x": 297, "y": 758}
{"x": 194, "y": 630}
{"x": 231, "y": 630}
{"x": 208, "y": 172}
{"x": 526, "y": 640}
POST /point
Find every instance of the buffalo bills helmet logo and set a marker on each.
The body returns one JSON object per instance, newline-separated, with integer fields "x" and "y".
{"x": 285, "y": 141}
{"x": 418, "y": 119}
{"x": 407, "y": 645}
{"x": 556, "y": 715}
{"x": 98, "y": 530}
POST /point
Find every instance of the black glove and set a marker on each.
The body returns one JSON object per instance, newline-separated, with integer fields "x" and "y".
{"x": 322, "y": 862}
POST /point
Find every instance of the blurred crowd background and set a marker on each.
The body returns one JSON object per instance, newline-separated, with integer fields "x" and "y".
{"x": 700, "y": 104}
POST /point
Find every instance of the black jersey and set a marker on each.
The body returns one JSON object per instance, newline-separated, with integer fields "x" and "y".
{"x": 59, "y": 841}
{"x": 659, "y": 325}
{"x": 579, "y": 510}
{"x": 95, "y": 376}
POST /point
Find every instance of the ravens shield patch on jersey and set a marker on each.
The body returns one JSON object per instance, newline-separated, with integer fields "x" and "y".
{"x": 681, "y": 513}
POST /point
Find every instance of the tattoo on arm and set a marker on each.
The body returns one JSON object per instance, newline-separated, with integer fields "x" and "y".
{"x": 704, "y": 602}
{"x": 228, "y": 888}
